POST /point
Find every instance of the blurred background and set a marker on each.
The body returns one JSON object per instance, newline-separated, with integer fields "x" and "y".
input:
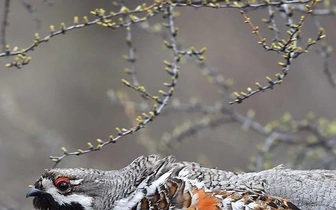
{"x": 61, "y": 97}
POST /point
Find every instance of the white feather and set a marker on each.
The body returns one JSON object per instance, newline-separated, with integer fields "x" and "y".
{"x": 134, "y": 199}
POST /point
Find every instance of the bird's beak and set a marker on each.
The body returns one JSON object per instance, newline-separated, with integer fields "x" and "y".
{"x": 32, "y": 192}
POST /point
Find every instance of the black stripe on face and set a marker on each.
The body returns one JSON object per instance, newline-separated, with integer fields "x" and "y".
{"x": 46, "y": 202}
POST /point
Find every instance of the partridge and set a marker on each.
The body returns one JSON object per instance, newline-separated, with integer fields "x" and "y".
{"x": 149, "y": 182}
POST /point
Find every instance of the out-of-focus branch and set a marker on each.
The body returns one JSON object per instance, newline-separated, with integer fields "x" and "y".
{"x": 289, "y": 44}
{"x": 4, "y": 24}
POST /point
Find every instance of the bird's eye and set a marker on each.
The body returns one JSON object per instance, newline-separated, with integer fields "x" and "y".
{"x": 63, "y": 183}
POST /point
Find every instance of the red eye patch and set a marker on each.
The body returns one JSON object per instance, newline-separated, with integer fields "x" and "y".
{"x": 62, "y": 179}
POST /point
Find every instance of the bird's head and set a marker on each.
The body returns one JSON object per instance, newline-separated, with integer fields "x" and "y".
{"x": 88, "y": 189}
{"x": 66, "y": 189}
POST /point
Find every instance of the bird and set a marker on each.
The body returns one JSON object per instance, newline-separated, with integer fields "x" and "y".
{"x": 149, "y": 182}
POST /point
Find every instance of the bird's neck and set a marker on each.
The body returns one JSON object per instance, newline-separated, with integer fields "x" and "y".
{"x": 123, "y": 183}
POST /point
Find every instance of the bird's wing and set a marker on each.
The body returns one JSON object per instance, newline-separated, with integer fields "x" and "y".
{"x": 181, "y": 194}
{"x": 171, "y": 188}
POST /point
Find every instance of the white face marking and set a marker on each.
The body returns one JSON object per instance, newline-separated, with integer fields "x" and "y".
{"x": 61, "y": 199}
{"x": 76, "y": 182}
